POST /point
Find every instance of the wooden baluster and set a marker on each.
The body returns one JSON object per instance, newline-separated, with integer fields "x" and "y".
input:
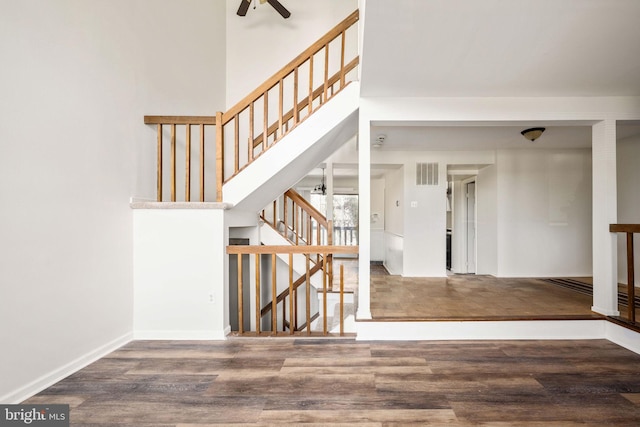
{"x": 187, "y": 166}
{"x": 292, "y": 327}
{"x": 219, "y": 156}
{"x": 251, "y": 119}
{"x": 326, "y": 72}
{"x": 173, "y": 162}
{"x": 324, "y": 296}
{"x": 274, "y": 297}
{"x": 330, "y": 260}
{"x": 240, "y": 298}
{"x": 284, "y": 314}
{"x": 258, "y": 306}
{"x": 265, "y": 131}
{"x": 631, "y": 291}
{"x": 281, "y": 95}
{"x": 159, "y": 177}
{"x": 342, "y": 61}
{"x": 286, "y": 219}
{"x": 236, "y": 142}
{"x": 341, "y": 299}
{"x": 296, "y": 116}
{"x": 297, "y": 223}
{"x": 202, "y": 162}
{"x": 310, "y": 84}
{"x": 308, "y": 299}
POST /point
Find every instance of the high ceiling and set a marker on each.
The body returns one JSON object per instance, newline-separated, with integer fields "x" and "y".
{"x": 501, "y": 48}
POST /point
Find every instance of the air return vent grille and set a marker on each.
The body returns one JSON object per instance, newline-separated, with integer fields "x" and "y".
{"x": 426, "y": 174}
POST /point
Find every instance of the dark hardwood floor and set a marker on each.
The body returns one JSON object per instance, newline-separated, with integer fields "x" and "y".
{"x": 346, "y": 382}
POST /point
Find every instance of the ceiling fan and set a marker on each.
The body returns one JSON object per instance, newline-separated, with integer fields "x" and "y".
{"x": 244, "y": 6}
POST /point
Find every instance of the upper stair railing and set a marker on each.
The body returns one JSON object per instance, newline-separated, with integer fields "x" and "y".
{"x": 277, "y": 106}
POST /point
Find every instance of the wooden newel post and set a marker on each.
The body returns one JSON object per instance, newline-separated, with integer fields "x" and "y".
{"x": 219, "y": 156}
{"x": 631, "y": 288}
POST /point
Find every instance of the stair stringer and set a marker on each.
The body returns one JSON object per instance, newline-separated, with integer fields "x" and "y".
{"x": 302, "y": 149}
{"x": 270, "y": 237}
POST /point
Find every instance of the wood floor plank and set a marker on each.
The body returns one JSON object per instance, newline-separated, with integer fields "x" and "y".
{"x": 426, "y": 417}
{"x": 344, "y": 382}
{"x": 354, "y": 361}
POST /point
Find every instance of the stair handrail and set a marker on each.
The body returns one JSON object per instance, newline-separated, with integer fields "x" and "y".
{"x": 281, "y": 126}
{"x": 291, "y": 66}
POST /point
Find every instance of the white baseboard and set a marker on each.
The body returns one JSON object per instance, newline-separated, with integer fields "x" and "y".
{"x": 55, "y": 376}
{"x": 180, "y": 335}
{"x": 482, "y": 330}
{"x": 623, "y": 337}
{"x": 227, "y": 330}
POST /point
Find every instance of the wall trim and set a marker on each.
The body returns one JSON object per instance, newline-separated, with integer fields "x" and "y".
{"x": 483, "y": 330}
{"x": 64, "y": 371}
{"x": 623, "y": 337}
{"x": 180, "y": 335}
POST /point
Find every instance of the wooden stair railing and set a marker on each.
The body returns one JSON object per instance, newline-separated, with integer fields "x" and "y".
{"x": 301, "y": 224}
{"x": 629, "y": 229}
{"x": 264, "y": 116}
{"x": 187, "y": 122}
{"x": 271, "y": 283}
{"x": 282, "y": 102}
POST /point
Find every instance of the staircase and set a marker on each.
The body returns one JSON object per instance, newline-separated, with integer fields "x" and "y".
{"x": 263, "y": 145}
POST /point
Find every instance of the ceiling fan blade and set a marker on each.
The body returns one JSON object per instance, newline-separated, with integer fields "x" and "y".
{"x": 280, "y": 8}
{"x": 244, "y": 6}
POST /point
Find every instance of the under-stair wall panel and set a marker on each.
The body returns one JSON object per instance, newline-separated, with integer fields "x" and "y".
{"x": 285, "y": 163}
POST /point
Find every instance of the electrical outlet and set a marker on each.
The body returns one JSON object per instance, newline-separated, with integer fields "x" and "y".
{"x": 211, "y": 298}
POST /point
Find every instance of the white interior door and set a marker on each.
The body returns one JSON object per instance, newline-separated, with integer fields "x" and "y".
{"x": 471, "y": 227}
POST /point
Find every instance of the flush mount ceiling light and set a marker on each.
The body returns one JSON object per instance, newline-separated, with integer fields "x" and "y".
{"x": 532, "y": 133}
{"x": 377, "y": 143}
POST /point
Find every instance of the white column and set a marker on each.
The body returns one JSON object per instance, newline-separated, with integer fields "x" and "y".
{"x": 605, "y": 212}
{"x": 364, "y": 225}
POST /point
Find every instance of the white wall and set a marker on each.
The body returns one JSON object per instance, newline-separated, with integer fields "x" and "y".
{"x": 377, "y": 219}
{"x": 262, "y": 42}
{"x": 179, "y": 286}
{"x": 487, "y": 221}
{"x": 425, "y": 223}
{"x": 628, "y": 157}
{"x": 544, "y": 213}
{"x": 76, "y": 81}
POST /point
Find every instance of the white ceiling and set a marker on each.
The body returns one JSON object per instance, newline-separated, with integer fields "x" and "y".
{"x": 501, "y": 48}
{"x": 450, "y": 48}
{"x": 456, "y": 138}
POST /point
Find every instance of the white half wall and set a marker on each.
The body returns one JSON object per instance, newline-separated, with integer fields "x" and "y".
{"x": 179, "y": 279}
